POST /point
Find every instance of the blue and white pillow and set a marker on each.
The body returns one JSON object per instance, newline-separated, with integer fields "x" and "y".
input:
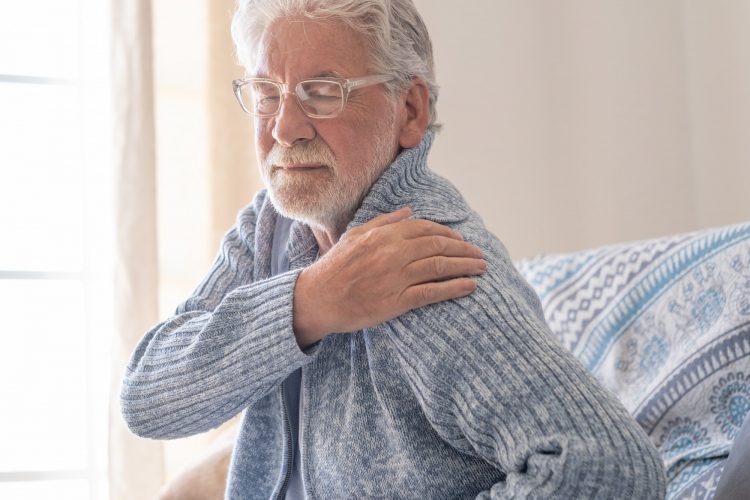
{"x": 665, "y": 325}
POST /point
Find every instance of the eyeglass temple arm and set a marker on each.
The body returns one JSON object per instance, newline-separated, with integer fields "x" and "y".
{"x": 367, "y": 81}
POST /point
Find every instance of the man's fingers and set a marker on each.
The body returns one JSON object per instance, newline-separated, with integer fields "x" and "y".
{"x": 430, "y": 293}
{"x": 408, "y": 229}
{"x": 418, "y": 228}
{"x": 389, "y": 218}
{"x": 442, "y": 268}
{"x": 431, "y": 246}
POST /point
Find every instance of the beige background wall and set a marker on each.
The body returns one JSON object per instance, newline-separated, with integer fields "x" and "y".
{"x": 579, "y": 123}
{"x": 568, "y": 124}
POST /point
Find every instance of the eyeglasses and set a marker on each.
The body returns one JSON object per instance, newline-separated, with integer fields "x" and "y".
{"x": 317, "y": 97}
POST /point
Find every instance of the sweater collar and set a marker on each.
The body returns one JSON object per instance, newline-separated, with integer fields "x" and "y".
{"x": 406, "y": 182}
{"x": 410, "y": 182}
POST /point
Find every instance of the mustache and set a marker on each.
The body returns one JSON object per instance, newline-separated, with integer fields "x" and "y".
{"x": 314, "y": 151}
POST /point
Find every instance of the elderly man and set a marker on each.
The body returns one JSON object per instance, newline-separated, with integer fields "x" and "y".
{"x": 376, "y": 335}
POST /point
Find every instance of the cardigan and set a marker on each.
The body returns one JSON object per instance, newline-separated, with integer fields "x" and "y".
{"x": 466, "y": 398}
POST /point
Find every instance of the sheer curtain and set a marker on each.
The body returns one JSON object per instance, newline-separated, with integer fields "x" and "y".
{"x": 205, "y": 160}
{"x": 136, "y": 465}
{"x": 184, "y": 168}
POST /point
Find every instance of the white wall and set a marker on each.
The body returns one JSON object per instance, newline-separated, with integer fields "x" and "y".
{"x": 580, "y": 123}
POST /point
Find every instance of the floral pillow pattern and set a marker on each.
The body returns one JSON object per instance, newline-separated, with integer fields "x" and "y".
{"x": 665, "y": 325}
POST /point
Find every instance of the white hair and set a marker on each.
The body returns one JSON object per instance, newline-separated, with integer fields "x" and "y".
{"x": 394, "y": 31}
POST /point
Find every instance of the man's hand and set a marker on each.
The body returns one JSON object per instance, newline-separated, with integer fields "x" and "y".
{"x": 381, "y": 270}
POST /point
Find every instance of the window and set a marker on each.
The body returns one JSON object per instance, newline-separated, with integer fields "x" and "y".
{"x": 55, "y": 256}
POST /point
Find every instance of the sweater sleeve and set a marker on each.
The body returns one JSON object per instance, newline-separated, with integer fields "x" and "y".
{"x": 495, "y": 384}
{"x": 224, "y": 348}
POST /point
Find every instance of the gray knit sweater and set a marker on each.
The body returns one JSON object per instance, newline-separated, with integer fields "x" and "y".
{"x": 469, "y": 398}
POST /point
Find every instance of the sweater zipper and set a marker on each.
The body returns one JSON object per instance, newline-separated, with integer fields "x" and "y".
{"x": 288, "y": 434}
{"x": 301, "y": 431}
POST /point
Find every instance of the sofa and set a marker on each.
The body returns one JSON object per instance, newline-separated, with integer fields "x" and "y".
{"x": 665, "y": 325}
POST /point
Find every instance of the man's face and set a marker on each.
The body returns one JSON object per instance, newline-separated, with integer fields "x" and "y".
{"x": 318, "y": 170}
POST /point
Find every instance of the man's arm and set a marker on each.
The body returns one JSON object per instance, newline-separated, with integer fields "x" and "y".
{"x": 495, "y": 384}
{"x": 226, "y": 346}
{"x": 234, "y": 340}
{"x": 488, "y": 374}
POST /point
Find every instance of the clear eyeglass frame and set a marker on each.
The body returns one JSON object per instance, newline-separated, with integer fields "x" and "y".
{"x": 344, "y": 85}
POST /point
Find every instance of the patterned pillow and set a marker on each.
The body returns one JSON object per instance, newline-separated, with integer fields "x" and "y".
{"x": 665, "y": 325}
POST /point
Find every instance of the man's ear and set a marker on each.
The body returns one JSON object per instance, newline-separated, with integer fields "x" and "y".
{"x": 416, "y": 114}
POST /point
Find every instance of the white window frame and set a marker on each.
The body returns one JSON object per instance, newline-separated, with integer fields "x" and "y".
{"x": 93, "y": 89}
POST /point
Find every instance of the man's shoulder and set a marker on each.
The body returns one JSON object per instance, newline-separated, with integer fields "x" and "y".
{"x": 433, "y": 197}
{"x": 439, "y": 200}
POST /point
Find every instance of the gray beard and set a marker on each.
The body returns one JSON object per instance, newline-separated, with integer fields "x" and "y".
{"x": 322, "y": 199}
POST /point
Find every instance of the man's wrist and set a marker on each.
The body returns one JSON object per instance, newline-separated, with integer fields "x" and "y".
{"x": 305, "y": 337}
{"x": 306, "y": 322}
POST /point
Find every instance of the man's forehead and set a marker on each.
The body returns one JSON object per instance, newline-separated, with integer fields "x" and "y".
{"x": 311, "y": 48}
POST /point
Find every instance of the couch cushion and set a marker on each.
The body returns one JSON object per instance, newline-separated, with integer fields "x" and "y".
{"x": 665, "y": 325}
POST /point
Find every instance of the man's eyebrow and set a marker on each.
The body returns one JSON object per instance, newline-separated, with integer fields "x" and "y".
{"x": 327, "y": 74}
{"x": 322, "y": 74}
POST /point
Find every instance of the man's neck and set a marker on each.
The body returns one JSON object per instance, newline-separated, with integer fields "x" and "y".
{"x": 326, "y": 238}
{"x": 328, "y": 235}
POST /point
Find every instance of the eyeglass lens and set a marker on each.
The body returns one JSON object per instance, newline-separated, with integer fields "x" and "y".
{"x": 316, "y": 97}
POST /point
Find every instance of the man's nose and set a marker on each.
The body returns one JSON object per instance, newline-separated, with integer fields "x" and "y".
{"x": 292, "y": 125}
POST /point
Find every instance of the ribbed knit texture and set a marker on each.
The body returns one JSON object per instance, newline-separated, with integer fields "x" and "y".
{"x": 469, "y": 398}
